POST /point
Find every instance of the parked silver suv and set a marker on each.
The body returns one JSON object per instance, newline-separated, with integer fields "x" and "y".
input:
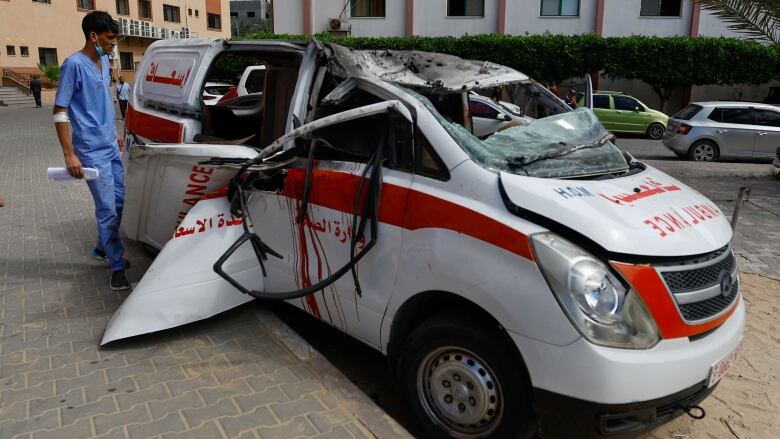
{"x": 706, "y": 131}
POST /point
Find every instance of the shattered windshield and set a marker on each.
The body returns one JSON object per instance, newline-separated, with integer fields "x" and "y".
{"x": 563, "y": 145}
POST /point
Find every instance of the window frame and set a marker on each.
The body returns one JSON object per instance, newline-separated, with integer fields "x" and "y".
{"x": 560, "y": 8}
{"x": 609, "y": 102}
{"x": 24, "y": 51}
{"x": 421, "y": 141}
{"x": 10, "y": 50}
{"x": 208, "y": 21}
{"x": 122, "y": 62}
{"x": 636, "y": 103}
{"x": 491, "y": 107}
{"x": 719, "y": 110}
{"x": 43, "y": 2}
{"x": 78, "y": 5}
{"x": 127, "y": 5}
{"x": 757, "y": 111}
{"x": 658, "y": 15}
{"x": 171, "y": 8}
{"x": 53, "y": 49}
{"x": 482, "y": 15}
{"x": 352, "y": 8}
{"x": 151, "y": 12}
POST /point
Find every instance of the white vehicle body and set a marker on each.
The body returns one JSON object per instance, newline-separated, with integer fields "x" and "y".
{"x": 251, "y": 80}
{"x": 213, "y": 91}
{"x": 451, "y": 234}
{"x": 489, "y": 116}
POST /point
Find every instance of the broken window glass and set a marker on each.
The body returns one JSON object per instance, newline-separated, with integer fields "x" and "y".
{"x": 565, "y": 145}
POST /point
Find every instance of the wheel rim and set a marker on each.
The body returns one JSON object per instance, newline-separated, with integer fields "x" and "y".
{"x": 656, "y": 131}
{"x": 459, "y": 392}
{"x": 704, "y": 152}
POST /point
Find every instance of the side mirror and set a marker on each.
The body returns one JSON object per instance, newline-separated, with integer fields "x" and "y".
{"x": 637, "y": 109}
{"x": 503, "y": 117}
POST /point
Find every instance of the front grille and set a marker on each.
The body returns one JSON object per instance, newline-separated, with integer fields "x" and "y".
{"x": 700, "y": 278}
{"x": 710, "y": 307}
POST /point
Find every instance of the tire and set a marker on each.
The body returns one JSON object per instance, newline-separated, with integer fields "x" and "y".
{"x": 461, "y": 380}
{"x": 655, "y": 131}
{"x": 703, "y": 151}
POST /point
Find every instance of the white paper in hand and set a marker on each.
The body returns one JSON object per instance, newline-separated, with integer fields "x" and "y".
{"x": 62, "y": 174}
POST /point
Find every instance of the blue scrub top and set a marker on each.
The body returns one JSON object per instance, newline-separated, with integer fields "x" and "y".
{"x": 85, "y": 92}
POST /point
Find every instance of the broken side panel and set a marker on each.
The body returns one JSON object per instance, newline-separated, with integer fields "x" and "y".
{"x": 163, "y": 182}
{"x": 181, "y": 286}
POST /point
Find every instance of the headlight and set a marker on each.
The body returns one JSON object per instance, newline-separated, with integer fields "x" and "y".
{"x": 596, "y": 301}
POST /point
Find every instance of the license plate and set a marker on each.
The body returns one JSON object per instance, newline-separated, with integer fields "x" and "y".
{"x": 720, "y": 368}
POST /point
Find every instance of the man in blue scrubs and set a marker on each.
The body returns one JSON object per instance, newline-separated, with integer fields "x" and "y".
{"x": 84, "y": 100}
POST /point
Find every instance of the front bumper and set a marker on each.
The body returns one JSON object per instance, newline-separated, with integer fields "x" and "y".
{"x": 563, "y": 416}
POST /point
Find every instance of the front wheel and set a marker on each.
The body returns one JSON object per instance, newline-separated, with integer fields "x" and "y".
{"x": 461, "y": 381}
{"x": 703, "y": 151}
{"x": 655, "y": 131}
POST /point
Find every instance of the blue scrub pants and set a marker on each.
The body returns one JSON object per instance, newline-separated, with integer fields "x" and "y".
{"x": 108, "y": 192}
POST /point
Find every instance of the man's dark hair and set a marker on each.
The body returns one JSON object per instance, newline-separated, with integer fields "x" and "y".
{"x": 98, "y": 22}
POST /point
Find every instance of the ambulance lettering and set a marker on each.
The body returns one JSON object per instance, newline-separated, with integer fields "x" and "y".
{"x": 196, "y": 189}
{"x": 170, "y": 78}
{"x": 648, "y": 188}
{"x": 572, "y": 192}
{"x": 673, "y": 221}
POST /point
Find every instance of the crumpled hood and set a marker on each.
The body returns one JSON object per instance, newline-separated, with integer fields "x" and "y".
{"x": 647, "y": 214}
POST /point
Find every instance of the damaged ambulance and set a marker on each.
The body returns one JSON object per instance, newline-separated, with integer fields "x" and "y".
{"x": 536, "y": 278}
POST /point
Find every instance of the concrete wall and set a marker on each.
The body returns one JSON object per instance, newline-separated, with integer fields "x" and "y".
{"x": 621, "y": 17}
{"x": 712, "y": 26}
{"x": 522, "y": 17}
{"x": 287, "y": 16}
{"x": 394, "y": 22}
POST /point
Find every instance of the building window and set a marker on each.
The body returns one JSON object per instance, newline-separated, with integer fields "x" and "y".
{"x": 234, "y": 14}
{"x": 145, "y": 9}
{"x": 250, "y": 14}
{"x": 47, "y": 56}
{"x": 171, "y": 13}
{"x": 368, "y": 8}
{"x": 42, "y": 1}
{"x": 196, "y": 13}
{"x": 86, "y": 4}
{"x": 560, "y": 8}
{"x": 215, "y": 21}
{"x": 660, "y": 8}
{"x": 24, "y": 50}
{"x": 126, "y": 61}
{"x": 123, "y": 7}
{"x": 189, "y": 11}
{"x": 10, "y": 50}
{"x": 465, "y": 8}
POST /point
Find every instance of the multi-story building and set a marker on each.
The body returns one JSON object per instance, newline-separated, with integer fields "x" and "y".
{"x": 518, "y": 17}
{"x": 48, "y": 31}
{"x": 253, "y": 15}
{"x": 513, "y": 17}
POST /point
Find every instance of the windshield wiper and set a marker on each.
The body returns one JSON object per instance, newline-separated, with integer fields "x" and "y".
{"x": 523, "y": 161}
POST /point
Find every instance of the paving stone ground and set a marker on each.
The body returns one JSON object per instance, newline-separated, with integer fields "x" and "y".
{"x": 242, "y": 375}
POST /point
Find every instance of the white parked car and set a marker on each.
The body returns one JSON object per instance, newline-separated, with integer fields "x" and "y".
{"x": 489, "y": 116}
{"x": 537, "y": 277}
{"x": 213, "y": 92}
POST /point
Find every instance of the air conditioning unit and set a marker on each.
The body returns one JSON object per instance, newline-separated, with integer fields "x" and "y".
{"x": 338, "y": 27}
{"x": 185, "y": 32}
{"x": 155, "y": 32}
{"x": 124, "y": 26}
{"x": 165, "y": 33}
{"x": 135, "y": 28}
{"x": 175, "y": 34}
{"x": 146, "y": 29}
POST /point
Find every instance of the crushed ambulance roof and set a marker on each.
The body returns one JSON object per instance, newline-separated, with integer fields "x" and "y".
{"x": 434, "y": 72}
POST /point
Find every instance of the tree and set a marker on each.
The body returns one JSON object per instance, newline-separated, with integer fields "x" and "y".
{"x": 759, "y": 19}
{"x": 50, "y": 72}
